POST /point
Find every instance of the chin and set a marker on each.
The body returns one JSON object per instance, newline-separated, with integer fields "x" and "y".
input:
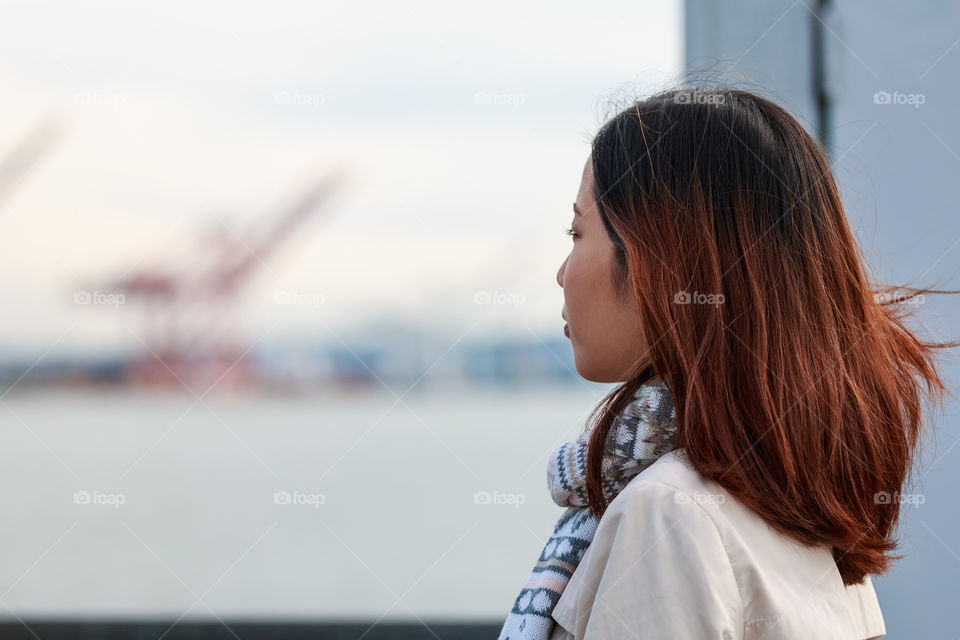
{"x": 592, "y": 373}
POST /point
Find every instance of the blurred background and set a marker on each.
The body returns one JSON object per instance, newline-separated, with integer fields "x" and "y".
{"x": 281, "y": 350}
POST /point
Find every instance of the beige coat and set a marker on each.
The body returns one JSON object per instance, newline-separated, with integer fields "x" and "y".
{"x": 675, "y": 556}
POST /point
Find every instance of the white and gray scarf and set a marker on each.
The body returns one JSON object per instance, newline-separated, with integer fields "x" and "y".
{"x": 644, "y": 432}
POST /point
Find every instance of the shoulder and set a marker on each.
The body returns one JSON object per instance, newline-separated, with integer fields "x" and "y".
{"x": 657, "y": 562}
{"x": 676, "y": 512}
{"x": 775, "y": 583}
{"x": 671, "y": 489}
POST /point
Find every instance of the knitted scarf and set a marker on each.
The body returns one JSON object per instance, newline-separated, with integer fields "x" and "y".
{"x": 644, "y": 432}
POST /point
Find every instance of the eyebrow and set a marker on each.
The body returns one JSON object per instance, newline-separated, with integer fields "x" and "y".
{"x": 575, "y": 210}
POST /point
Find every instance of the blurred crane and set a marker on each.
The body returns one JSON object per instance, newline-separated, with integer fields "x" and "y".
{"x": 26, "y": 154}
{"x": 190, "y": 330}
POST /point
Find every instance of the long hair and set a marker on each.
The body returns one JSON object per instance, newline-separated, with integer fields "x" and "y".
{"x": 797, "y": 384}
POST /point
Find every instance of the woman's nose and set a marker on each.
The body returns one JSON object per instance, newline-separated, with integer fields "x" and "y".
{"x": 560, "y": 273}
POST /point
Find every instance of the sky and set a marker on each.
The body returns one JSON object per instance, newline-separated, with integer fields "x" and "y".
{"x": 463, "y": 130}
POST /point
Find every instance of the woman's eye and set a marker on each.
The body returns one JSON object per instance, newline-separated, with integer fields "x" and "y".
{"x": 570, "y": 232}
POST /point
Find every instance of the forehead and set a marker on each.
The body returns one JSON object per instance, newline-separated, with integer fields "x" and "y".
{"x": 587, "y": 174}
{"x": 584, "y": 194}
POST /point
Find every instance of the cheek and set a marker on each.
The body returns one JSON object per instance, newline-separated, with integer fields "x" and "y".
{"x": 572, "y": 281}
{"x": 583, "y": 289}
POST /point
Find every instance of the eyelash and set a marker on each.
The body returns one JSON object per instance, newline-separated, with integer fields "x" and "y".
{"x": 570, "y": 232}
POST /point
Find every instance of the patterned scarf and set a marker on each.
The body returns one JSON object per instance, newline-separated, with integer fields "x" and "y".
{"x": 644, "y": 432}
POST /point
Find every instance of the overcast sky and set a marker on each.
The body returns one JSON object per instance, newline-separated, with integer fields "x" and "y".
{"x": 464, "y": 127}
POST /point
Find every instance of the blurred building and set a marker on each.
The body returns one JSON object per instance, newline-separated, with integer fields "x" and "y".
{"x": 876, "y": 82}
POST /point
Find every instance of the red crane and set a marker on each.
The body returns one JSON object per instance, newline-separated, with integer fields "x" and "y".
{"x": 191, "y": 335}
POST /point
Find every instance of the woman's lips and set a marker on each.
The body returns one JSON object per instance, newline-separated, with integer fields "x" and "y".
{"x": 566, "y": 330}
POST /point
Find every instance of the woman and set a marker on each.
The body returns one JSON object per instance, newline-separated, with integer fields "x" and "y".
{"x": 743, "y": 481}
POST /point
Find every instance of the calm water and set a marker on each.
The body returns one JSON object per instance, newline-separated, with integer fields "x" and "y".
{"x": 344, "y": 506}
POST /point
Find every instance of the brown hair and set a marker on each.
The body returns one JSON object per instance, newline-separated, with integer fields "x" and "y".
{"x": 798, "y": 386}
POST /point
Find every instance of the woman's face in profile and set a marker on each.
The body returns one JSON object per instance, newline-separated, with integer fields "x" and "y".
{"x": 604, "y": 327}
